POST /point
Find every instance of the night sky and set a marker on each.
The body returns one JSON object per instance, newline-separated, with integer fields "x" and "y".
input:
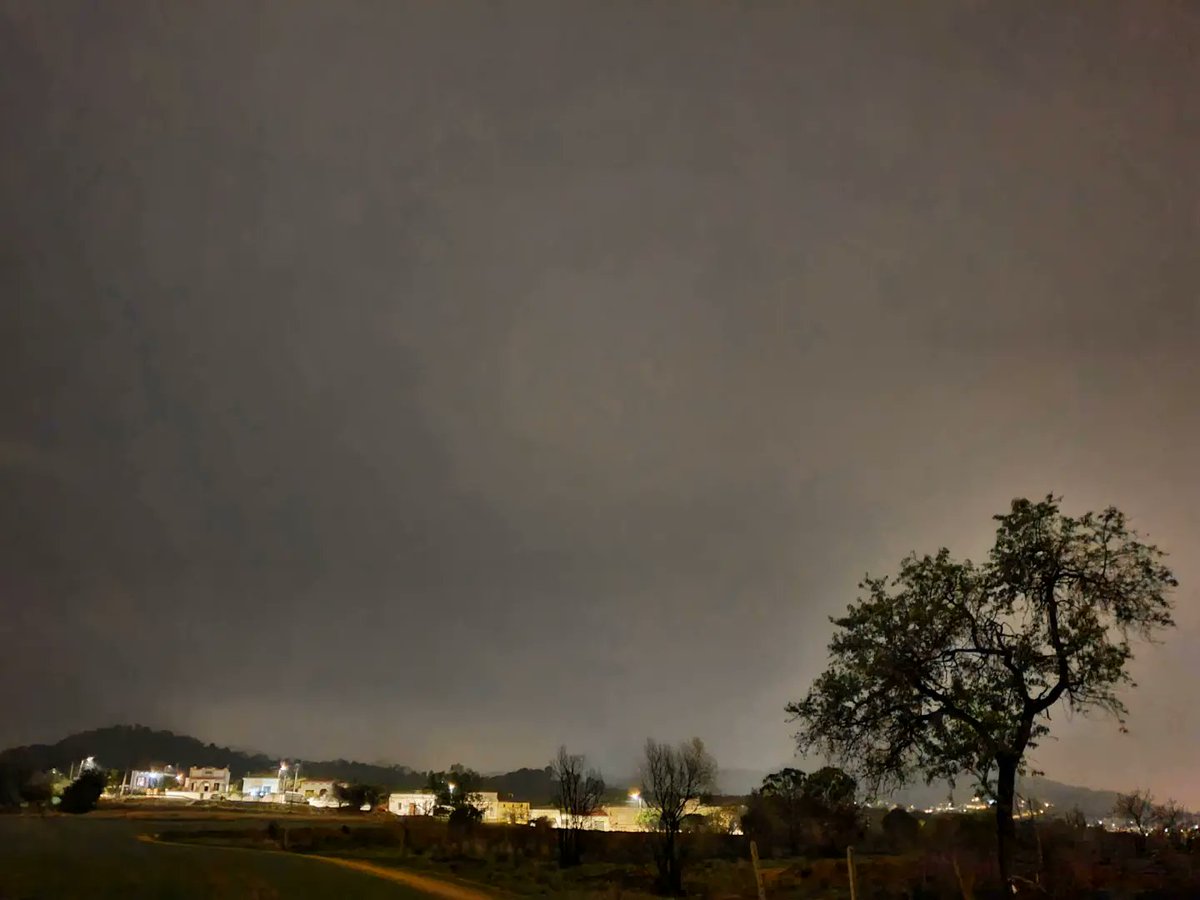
{"x": 442, "y": 382}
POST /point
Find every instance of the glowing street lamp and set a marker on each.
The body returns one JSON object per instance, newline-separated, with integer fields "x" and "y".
{"x": 636, "y": 797}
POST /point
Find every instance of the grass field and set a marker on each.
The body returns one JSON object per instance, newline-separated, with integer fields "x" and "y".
{"x": 102, "y": 858}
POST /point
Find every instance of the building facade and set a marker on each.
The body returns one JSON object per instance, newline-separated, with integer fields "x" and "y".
{"x": 412, "y": 803}
{"x": 258, "y": 787}
{"x": 207, "y": 781}
{"x": 514, "y": 812}
{"x": 318, "y": 791}
{"x": 153, "y": 780}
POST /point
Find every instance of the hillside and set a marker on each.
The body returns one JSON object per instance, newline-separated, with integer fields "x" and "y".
{"x": 1093, "y": 803}
{"x": 135, "y": 746}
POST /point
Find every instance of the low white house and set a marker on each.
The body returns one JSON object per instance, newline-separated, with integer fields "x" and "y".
{"x": 598, "y": 822}
{"x": 207, "y": 781}
{"x": 550, "y": 813}
{"x": 412, "y": 803}
{"x": 257, "y": 787}
{"x": 157, "y": 779}
{"x": 489, "y": 803}
{"x": 318, "y": 791}
{"x": 423, "y": 803}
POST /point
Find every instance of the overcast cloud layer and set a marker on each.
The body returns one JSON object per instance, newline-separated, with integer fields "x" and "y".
{"x": 440, "y": 382}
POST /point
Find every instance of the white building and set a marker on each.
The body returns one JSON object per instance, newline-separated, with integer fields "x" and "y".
{"x": 550, "y": 813}
{"x": 412, "y": 803}
{"x": 600, "y": 821}
{"x": 207, "y": 781}
{"x": 513, "y": 812}
{"x": 258, "y": 787}
{"x": 318, "y": 791}
{"x": 488, "y": 802}
{"x": 423, "y": 803}
{"x": 157, "y": 779}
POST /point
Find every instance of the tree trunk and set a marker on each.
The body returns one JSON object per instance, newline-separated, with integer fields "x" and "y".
{"x": 1006, "y": 829}
{"x": 676, "y": 869}
{"x": 670, "y": 876}
{"x": 568, "y": 847}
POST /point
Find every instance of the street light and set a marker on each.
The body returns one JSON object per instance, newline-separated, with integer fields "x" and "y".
{"x": 636, "y": 797}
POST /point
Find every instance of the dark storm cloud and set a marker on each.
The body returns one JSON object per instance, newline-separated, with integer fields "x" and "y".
{"x": 437, "y": 383}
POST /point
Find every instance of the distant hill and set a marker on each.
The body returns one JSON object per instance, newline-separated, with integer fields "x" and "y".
{"x": 136, "y": 746}
{"x": 1091, "y": 802}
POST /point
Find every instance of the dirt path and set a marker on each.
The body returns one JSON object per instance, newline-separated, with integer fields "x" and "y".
{"x": 435, "y": 887}
{"x": 426, "y": 884}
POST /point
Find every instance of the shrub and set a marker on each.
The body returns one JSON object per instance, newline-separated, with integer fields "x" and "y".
{"x": 82, "y": 794}
{"x": 901, "y": 829}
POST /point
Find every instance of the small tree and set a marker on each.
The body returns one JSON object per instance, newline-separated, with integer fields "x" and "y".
{"x": 457, "y": 791}
{"x": 830, "y": 794}
{"x": 38, "y": 790}
{"x": 901, "y": 829}
{"x": 953, "y": 667}
{"x": 21, "y": 784}
{"x": 82, "y": 794}
{"x": 782, "y": 802}
{"x": 1136, "y": 807}
{"x": 673, "y": 779}
{"x": 1169, "y": 816}
{"x": 1075, "y": 819}
{"x": 579, "y": 794}
{"x": 356, "y": 795}
{"x": 816, "y": 809}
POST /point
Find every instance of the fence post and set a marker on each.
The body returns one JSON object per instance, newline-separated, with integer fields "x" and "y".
{"x": 853, "y": 875}
{"x": 758, "y": 879}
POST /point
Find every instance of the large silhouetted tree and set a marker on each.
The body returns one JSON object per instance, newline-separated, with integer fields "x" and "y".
{"x": 673, "y": 779}
{"x": 953, "y": 667}
{"x": 580, "y": 791}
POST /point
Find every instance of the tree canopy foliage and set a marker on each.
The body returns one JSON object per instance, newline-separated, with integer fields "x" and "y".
{"x": 356, "y": 795}
{"x": 800, "y": 811}
{"x": 953, "y": 667}
{"x": 457, "y": 794}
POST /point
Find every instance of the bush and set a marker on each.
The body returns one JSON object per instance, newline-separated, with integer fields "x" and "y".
{"x": 464, "y": 815}
{"x": 901, "y": 829}
{"x": 82, "y": 794}
{"x": 19, "y": 784}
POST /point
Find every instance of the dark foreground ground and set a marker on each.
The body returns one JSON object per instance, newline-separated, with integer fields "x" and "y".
{"x": 64, "y": 858}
